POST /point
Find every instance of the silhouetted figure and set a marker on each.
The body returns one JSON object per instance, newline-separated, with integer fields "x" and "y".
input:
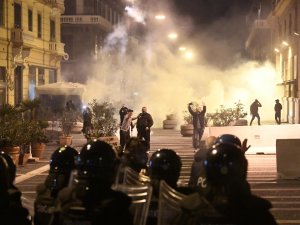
{"x": 61, "y": 164}
{"x": 87, "y": 121}
{"x": 227, "y": 198}
{"x": 254, "y": 111}
{"x": 89, "y": 199}
{"x": 11, "y": 210}
{"x": 143, "y": 125}
{"x": 197, "y": 180}
{"x": 122, "y": 112}
{"x": 198, "y": 123}
{"x": 278, "y": 108}
{"x": 164, "y": 164}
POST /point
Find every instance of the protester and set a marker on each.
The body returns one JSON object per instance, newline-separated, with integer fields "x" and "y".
{"x": 254, "y": 111}
{"x": 198, "y": 123}
{"x": 87, "y": 121}
{"x": 122, "y": 112}
{"x": 278, "y": 108}
{"x": 126, "y": 127}
{"x": 143, "y": 125}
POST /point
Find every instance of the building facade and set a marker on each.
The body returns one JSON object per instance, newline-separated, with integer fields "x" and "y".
{"x": 285, "y": 20}
{"x": 30, "y": 47}
{"x": 275, "y": 37}
{"x": 85, "y": 25}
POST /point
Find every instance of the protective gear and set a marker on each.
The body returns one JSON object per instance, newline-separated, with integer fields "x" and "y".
{"x": 61, "y": 164}
{"x": 97, "y": 161}
{"x": 229, "y": 139}
{"x": 165, "y": 164}
{"x": 4, "y": 175}
{"x": 135, "y": 154}
{"x": 11, "y": 167}
{"x": 226, "y": 164}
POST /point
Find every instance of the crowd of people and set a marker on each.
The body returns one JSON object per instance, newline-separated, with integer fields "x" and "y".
{"x": 79, "y": 188}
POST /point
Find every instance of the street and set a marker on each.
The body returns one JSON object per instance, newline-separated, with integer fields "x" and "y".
{"x": 284, "y": 194}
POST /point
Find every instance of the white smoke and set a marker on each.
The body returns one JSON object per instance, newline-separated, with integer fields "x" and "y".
{"x": 149, "y": 72}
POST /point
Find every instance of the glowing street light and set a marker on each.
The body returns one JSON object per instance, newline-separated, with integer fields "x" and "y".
{"x": 285, "y": 43}
{"x": 182, "y": 48}
{"x": 160, "y": 17}
{"x": 172, "y": 36}
{"x": 189, "y": 55}
{"x": 276, "y": 50}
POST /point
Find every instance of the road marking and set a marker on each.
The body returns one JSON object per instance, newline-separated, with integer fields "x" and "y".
{"x": 32, "y": 173}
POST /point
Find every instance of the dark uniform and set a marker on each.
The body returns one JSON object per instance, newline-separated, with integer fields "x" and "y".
{"x": 89, "y": 199}
{"x": 165, "y": 165}
{"x": 278, "y": 108}
{"x": 11, "y": 210}
{"x": 143, "y": 125}
{"x": 254, "y": 111}
{"x": 61, "y": 164}
{"x": 199, "y": 125}
{"x": 228, "y": 198}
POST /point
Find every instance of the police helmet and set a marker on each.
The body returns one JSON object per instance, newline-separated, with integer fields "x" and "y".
{"x": 61, "y": 164}
{"x": 63, "y": 160}
{"x": 97, "y": 161}
{"x": 229, "y": 139}
{"x": 135, "y": 154}
{"x": 225, "y": 164}
{"x": 165, "y": 164}
{"x": 4, "y": 174}
{"x": 11, "y": 167}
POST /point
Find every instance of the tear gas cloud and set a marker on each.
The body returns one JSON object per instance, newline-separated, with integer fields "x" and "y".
{"x": 152, "y": 73}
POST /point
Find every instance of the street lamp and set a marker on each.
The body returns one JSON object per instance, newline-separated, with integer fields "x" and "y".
{"x": 160, "y": 17}
{"x": 172, "y": 36}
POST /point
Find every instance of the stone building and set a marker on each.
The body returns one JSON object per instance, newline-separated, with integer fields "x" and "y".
{"x": 85, "y": 24}
{"x": 30, "y": 47}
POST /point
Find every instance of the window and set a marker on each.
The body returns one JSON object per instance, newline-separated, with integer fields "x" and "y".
{"x": 52, "y": 30}
{"x": 41, "y": 76}
{"x": 39, "y": 26}
{"x": 2, "y": 73}
{"x": 1, "y": 12}
{"x": 29, "y": 19}
{"x": 52, "y": 76}
{"x": 32, "y": 82}
{"x": 17, "y": 15}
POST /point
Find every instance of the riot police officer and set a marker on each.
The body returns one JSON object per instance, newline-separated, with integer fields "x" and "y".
{"x": 61, "y": 164}
{"x": 164, "y": 164}
{"x": 89, "y": 199}
{"x": 12, "y": 211}
{"x": 228, "y": 199}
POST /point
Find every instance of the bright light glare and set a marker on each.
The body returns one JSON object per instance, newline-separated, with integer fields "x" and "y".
{"x": 188, "y": 55}
{"x": 173, "y": 36}
{"x": 285, "y": 43}
{"x": 182, "y": 49}
{"x": 160, "y": 17}
{"x": 276, "y": 50}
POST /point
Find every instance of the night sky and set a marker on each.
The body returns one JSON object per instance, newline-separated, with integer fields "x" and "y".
{"x": 219, "y": 27}
{"x": 206, "y": 12}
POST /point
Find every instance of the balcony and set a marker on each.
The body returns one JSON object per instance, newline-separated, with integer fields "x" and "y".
{"x": 56, "y": 4}
{"x": 20, "y": 38}
{"x": 56, "y": 48}
{"x": 87, "y": 19}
